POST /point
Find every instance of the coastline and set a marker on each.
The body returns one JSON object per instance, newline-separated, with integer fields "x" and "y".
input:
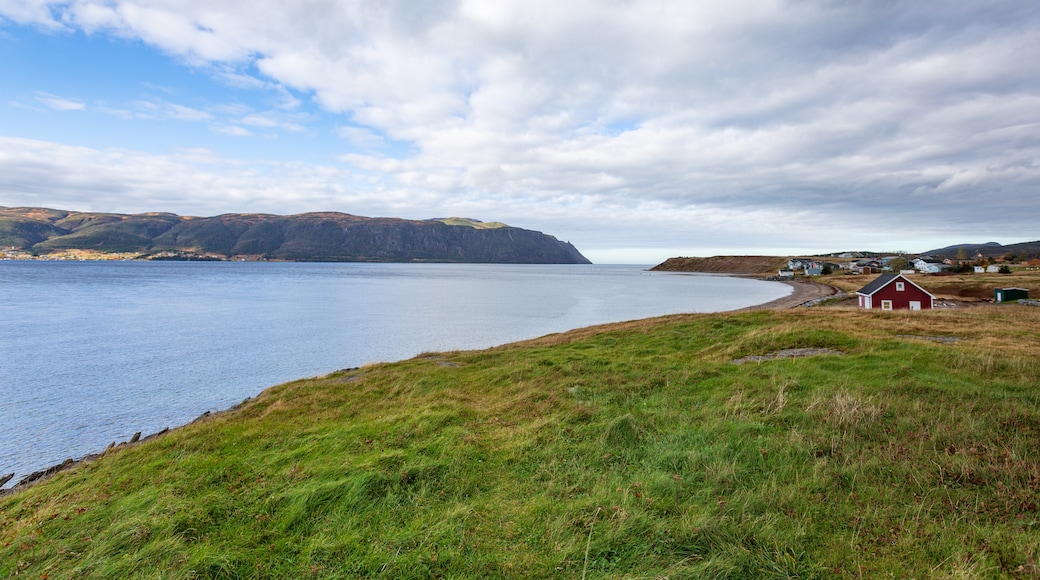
{"x": 803, "y": 292}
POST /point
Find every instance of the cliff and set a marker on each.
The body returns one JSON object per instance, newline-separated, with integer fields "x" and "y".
{"x": 326, "y": 236}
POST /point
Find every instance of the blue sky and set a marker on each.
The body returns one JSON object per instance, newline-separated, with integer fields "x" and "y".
{"x": 104, "y": 92}
{"x": 635, "y": 130}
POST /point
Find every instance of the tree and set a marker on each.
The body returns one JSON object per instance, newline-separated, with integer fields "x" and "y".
{"x": 898, "y": 263}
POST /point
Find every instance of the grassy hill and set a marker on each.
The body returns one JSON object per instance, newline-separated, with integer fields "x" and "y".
{"x": 637, "y": 450}
{"x": 763, "y": 265}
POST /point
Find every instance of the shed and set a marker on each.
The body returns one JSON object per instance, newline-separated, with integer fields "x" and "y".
{"x": 1008, "y": 294}
{"x": 894, "y": 292}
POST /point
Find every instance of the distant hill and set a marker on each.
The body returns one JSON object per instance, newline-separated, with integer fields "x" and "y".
{"x": 989, "y": 249}
{"x": 724, "y": 264}
{"x": 326, "y": 236}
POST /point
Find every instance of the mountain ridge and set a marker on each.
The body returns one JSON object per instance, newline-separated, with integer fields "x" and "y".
{"x": 988, "y": 249}
{"x": 314, "y": 236}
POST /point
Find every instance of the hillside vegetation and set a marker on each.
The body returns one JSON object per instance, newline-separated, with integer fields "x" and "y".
{"x": 910, "y": 447}
{"x": 326, "y": 236}
{"x": 764, "y": 265}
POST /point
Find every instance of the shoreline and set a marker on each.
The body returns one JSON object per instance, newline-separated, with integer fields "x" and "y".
{"x": 804, "y": 291}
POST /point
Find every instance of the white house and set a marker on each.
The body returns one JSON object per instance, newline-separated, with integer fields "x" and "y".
{"x": 800, "y": 263}
{"x": 926, "y": 266}
{"x": 980, "y": 269}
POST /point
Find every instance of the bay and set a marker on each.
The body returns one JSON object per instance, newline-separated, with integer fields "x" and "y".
{"x": 92, "y": 352}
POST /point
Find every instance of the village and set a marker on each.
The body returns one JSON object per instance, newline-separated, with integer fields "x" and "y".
{"x": 901, "y": 282}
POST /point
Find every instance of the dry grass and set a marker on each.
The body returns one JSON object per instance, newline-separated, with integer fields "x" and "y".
{"x": 846, "y": 409}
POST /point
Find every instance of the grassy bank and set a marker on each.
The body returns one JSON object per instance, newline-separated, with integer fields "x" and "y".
{"x": 631, "y": 451}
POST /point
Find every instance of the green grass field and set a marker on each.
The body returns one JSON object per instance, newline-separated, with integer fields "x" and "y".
{"x": 637, "y": 450}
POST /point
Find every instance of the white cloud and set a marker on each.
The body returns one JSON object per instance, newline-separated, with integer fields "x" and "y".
{"x": 60, "y": 103}
{"x": 55, "y": 175}
{"x": 183, "y": 113}
{"x": 270, "y": 122}
{"x": 361, "y": 137}
{"x": 232, "y": 130}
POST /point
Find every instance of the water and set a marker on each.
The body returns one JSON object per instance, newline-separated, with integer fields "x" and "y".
{"x": 92, "y": 352}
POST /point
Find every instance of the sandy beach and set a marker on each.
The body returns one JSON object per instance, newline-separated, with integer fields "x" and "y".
{"x": 804, "y": 291}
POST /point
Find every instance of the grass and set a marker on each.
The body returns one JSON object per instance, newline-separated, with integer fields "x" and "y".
{"x": 457, "y": 221}
{"x": 628, "y": 451}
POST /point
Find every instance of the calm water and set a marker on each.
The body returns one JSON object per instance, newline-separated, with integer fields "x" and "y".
{"x": 92, "y": 352}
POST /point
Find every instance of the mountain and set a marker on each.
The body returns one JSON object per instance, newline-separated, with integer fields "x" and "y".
{"x": 325, "y": 236}
{"x": 989, "y": 249}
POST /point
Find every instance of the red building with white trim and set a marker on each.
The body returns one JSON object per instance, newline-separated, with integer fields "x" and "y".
{"x": 894, "y": 292}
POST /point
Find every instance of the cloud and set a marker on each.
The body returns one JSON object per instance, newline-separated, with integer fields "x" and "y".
{"x": 269, "y": 121}
{"x": 55, "y": 175}
{"x": 880, "y": 117}
{"x": 60, "y": 103}
{"x": 361, "y": 137}
{"x": 187, "y": 113}
{"x": 232, "y": 130}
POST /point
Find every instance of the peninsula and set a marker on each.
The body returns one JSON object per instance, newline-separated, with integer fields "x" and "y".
{"x": 308, "y": 237}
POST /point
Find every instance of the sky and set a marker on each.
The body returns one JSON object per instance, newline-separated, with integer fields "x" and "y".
{"x": 636, "y": 130}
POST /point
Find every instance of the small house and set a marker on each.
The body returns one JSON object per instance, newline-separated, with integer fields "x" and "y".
{"x": 928, "y": 265}
{"x": 894, "y": 292}
{"x": 799, "y": 263}
{"x": 1009, "y": 294}
{"x": 814, "y": 271}
{"x": 992, "y": 268}
{"x": 785, "y": 273}
{"x": 980, "y": 269}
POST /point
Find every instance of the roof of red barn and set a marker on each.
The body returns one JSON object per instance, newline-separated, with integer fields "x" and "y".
{"x": 884, "y": 280}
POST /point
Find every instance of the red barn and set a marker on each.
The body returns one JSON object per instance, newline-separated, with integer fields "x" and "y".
{"x": 894, "y": 292}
